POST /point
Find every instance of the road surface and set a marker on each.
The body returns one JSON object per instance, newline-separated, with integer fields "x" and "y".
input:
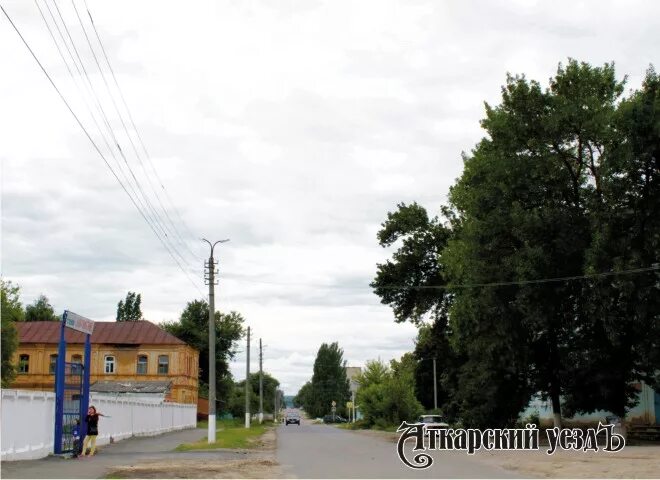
{"x": 325, "y": 451}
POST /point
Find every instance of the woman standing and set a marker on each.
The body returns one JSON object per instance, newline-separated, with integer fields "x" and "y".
{"x": 92, "y": 420}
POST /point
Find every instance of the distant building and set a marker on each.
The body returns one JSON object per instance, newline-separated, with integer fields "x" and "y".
{"x": 352, "y": 374}
{"x": 128, "y": 358}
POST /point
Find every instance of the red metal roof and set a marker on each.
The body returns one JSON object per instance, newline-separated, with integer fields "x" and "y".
{"x": 130, "y": 333}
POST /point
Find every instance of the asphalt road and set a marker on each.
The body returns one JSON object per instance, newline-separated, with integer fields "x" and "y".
{"x": 325, "y": 451}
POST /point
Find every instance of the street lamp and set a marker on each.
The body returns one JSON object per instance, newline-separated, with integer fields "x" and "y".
{"x": 211, "y": 280}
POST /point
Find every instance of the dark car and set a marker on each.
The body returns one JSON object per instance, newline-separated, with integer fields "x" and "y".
{"x": 292, "y": 417}
{"x": 334, "y": 419}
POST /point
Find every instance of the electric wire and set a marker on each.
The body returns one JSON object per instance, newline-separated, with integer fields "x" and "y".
{"x": 142, "y": 198}
{"x": 146, "y": 202}
{"x": 457, "y": 285}
{"x": 144, "y": 148}
{"x": 163, "y": 225}
{"x": 89, "y": 137}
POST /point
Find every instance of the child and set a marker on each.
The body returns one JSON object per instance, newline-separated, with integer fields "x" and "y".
{"x": 92, "y": 420}
{"x": 76, "y": 439}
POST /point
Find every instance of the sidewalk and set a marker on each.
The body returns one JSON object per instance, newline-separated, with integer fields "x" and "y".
{"x": 109, "y": 457}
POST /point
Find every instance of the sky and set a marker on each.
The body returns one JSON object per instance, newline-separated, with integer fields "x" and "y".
{"x": 291, "y": 128}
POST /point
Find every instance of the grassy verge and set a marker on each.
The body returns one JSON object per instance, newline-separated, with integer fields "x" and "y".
{"x": 229, "y": 434}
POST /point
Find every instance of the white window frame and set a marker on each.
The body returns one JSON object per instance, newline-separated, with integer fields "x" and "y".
{"x": 109, "y": 363}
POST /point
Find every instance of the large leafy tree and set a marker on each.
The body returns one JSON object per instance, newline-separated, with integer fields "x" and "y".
{"x": 12, "y": 312}
{"x": 129, "y": 310}
{"x": 329, "y": 382}
{"x": 563, "y": 185}
{"x": 40, "y": 310}
{"x": 193, "y": 328}
{"x": 622, "y": 345}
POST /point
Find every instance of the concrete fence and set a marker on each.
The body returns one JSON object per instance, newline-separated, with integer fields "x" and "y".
{"x": 28, "y": 419}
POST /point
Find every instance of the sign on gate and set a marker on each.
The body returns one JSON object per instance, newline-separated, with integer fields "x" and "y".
{"x": 77, "y": 322}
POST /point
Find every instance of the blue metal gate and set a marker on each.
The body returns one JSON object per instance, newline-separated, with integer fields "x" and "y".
{"x": 71, "y": 386}
{"x": 71, "y": 411}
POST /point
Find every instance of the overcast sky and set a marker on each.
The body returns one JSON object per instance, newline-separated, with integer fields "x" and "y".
{"x": 290, "y": 127}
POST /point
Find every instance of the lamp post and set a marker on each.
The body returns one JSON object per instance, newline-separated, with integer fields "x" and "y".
{"x": 211, "y": 280}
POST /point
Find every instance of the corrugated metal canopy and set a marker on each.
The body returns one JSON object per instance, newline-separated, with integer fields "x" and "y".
{"x": 128, "y": 333}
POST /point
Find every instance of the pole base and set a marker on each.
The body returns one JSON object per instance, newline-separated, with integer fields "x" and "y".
{"x": 211, "y": 429}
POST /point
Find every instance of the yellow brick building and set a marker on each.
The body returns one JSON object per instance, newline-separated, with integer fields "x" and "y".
{"x": 124, "y": 354}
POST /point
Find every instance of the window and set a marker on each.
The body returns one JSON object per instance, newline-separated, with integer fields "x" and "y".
{"x": 76, "y": 359}
{"x": 142, "y": 365}
{"x": 163, "y": 364}
{"x": 24, "y": 363}
{"x": 109, "y": 364}
{"x": 53, "y": 364}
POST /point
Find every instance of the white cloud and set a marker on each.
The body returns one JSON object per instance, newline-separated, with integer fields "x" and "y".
{"x": 292, "y": 128}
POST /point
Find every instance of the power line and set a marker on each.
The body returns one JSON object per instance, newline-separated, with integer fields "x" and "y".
{"x": 450, "y": 286}
{"x": 148, "y": 206}
{"x": 162, "y": 224}
{"x": 96, "y": 147}
{"x": 144, "y": 148}
{"x": 142, "y": 199}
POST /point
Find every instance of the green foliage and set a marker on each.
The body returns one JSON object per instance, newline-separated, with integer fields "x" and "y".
{"x": 414, "y": 264}
{"x": 386, "y": 396}
{"x": 12, "y": 312}
{"x": 329, "y": 383}
{"x": 229, "y": 434}
{"x": 40, "y": 310}
{"x": 304, "y": 396}
{"x": 129, "y": 310}
{"x": 564, "y": 184}
{"x": 270, "y": 386}
{"x": 193, "y": 328}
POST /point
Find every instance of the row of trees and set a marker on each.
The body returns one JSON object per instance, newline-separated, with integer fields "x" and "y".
{"x": 386, "y": 393}
{"x": 542, "y": 274}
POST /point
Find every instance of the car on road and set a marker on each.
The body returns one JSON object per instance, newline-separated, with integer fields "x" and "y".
{"x": 334, "y": 419}
{"x": 292, "y": 417}
{"x": 433, "y": 421}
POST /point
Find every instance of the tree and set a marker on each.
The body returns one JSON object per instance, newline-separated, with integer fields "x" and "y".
{"x": 193, "y": 328}
{"x": 270, "y": 386}
{"x": 40, "y": 310}
{"x": 564, "y": 184}
{"x": 387, "y": 395}
{"x": 329, "y": 382}
{"x": 405, "y": 282}
{"x": 304, "y": 396}
{"x": 622, "y": 345}
{"x": 12, "y": 312}
{"x": 129, "y": 310}
{"x": 433, "y": 343}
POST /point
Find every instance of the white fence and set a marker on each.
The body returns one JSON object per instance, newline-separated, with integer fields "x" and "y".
{"x": 28, "y": 419}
